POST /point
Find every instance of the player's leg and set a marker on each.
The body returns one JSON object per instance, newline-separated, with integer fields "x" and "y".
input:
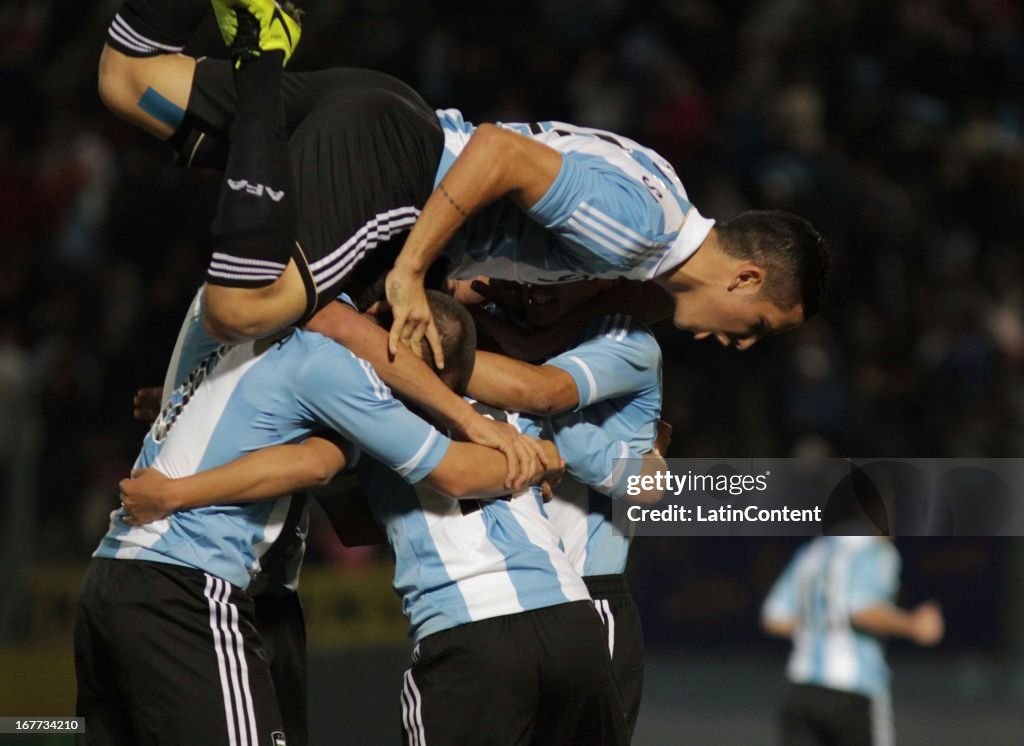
{"x": 807, "y": 716}
{"x": 142, "y": 78}
{"x": 472, "y": 685}
{"x": 364, "y": 159}
{"x": 579, "y": 702}
{"x": 98, "y": 699}
{"x": 625, "y": 637}
{"x": 186, "y": 656}
{"x": 282, "y": 629}
{"x": 249, "y": 292}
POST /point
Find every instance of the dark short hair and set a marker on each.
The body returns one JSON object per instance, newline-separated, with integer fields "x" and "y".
{"x": 790, "y": 249}
{"x": 458, "y": 340}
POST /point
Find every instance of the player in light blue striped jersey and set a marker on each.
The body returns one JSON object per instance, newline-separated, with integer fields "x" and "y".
{"x": 550, "y": 202}
{"x": 835, "y": 600}
{"x": 603, "y": 395}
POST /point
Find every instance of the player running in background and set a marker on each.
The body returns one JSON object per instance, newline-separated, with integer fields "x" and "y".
{"x": 835, "y": 600}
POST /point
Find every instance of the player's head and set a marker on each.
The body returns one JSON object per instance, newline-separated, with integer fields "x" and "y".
{"x": 763, "y": 272}
{"x": 458, "y": 341}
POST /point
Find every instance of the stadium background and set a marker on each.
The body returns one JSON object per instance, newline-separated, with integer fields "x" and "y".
{"x": 895, "y": 126}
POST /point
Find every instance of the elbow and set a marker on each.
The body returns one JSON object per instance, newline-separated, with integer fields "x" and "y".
{"x": 114, "y": 81}
{"x": 550, "y": 397}
{"x": 776, "y": 627}
{"x": 647, "y": 497}
{"x": 319, "y": 475}
{"x": 449, "y": 488}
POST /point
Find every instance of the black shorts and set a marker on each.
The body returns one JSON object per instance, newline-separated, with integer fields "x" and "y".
{"x": 170, "y": 655}
{"x": 282, "y": 630}
{"x": 146, "y": 28}
{"x": 816, "y": 715}
{"x": 364, "y": 148}
{"x": 540, "y": 677}
{"x": 625, "y": 637}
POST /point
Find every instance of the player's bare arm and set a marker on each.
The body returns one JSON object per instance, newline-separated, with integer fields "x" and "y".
{"x": 495, "y": 163}
{"x": 472, "y": 471}
{"x": 413, "y": 379}
{"x": 511, "y": 384}
{"x": 149, "y": 495}
{"x": 467, "y": 471}
{"x": 778, "y": 627}
{"x": 924, "y": 624}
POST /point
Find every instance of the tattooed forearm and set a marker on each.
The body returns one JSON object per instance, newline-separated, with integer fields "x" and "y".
{"x": 451, "y": 201}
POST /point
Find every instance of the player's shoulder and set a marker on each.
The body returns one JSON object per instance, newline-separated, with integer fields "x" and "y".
{"x": 621, "y": 329}
{"x": 320, "y": 358}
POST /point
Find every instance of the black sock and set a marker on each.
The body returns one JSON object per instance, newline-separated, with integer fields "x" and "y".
{"x": 258, "y": 82}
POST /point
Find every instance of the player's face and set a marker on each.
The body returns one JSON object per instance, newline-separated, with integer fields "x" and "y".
{"x": 739, "y": 320}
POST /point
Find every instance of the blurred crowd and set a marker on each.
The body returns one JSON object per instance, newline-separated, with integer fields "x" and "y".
{"x": 897, "y": 127}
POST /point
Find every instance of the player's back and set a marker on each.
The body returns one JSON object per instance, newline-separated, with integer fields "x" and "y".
{"x": 832, "y": 579}
{"x": 459, "y": 561}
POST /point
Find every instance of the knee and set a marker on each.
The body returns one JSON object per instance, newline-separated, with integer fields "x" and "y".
{"x": 235, "y": 315}
{"x": 232, "y": 318}
{"x": 118, "y": 81}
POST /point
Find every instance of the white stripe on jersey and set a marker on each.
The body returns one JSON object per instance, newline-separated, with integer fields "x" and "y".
{"x": 591, "y": 382}
{"x": 380, "y": 390}
{"x": 181, "y": 456}
{"x": 333, "y": 267}
{"x": 469, "y": 557}
{"x": 630, "y": 242}
{"x": 801, "y": 660}
{"x": 577, "y": 222}
{"x": 840, "y": 644}
{"x": 131, "y": 38}
{"x": 406, "y": 468}
{"x": 539, "y": 531}
{"x": 615, "y": 475}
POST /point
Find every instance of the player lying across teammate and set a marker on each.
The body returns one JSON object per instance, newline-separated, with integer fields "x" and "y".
{"x": 375, "y": 170}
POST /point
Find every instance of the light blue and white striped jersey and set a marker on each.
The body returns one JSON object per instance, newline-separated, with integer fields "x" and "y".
{"x": 827, "y": 581}
{"x": 247, "y": 397}
{"x": 460, "y": 561}
{"x": 616, "y": 209}
{"x": 281, "y": 566}
{"x": 617, "y": 370}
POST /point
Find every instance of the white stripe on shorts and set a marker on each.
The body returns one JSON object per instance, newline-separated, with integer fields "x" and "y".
{"x": 239, "y": 711}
